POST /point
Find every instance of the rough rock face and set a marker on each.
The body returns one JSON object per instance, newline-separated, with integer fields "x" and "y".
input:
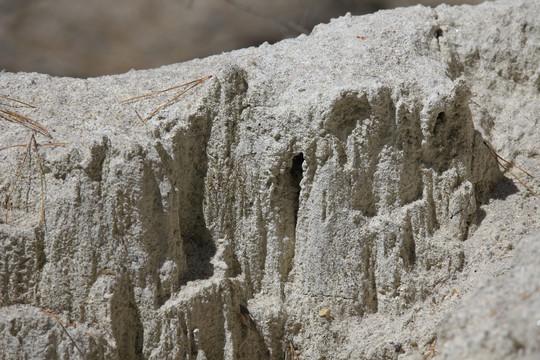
{"x": 499, "y": 313}
{"x": 340, "y": 171}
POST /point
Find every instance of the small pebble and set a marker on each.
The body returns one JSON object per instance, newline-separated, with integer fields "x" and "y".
{"x": 324, "y": 313}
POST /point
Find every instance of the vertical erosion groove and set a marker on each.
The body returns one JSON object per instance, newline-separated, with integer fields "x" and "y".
{"x": 287, "y": 199}
{"x": 127, "y": 327}
{"x": 296, "y": 175}
{"x": 346, "y": 113}
{"x": 370, "y": 299}
{"x": 190, "y": 166}
{"x": 293, "y": 193}
{"x": 439, "y": 124}
{"x": 408, "y": 247}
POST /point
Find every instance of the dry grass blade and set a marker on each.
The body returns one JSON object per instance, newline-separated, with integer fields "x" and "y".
{"x": 507, "y": 168}
{"x": 24, "y": 121}
{"x": 187, "y": 86}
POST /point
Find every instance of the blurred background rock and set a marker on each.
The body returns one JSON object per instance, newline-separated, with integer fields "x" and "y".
{"x": 85, "y": 38}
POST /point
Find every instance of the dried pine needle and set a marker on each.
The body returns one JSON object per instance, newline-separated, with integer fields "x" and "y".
{"x": 12, "y": 146}
{"x": 17, "y": 178}
{"x": 62, "y": 323}
{"x": 186, "y": 87}
{"x": 475, "y": 103}
{"x": 24, "y": 121}
{"x": 41, "y": 179}
{"x": 17, "y": 118}
{"x": 509, "y": 165}
{"x": 431, "y": 351}
{"x": 293, "y": 352}
{"x": 45, "y": 144}
{"x": 36, "y": 128}
{"x": 18, "y": 101}
{"x": 38, "y": 160}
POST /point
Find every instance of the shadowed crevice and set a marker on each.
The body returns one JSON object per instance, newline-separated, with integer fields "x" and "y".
{"x": 286, "y": 198}
{"x": 191, "y": 165}
{"x": 127, "y": 327}
{"x": 296, "y": 174}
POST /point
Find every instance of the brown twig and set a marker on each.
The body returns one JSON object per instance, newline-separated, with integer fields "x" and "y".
{"x": 507, "y": 168}
{"x": 190, "y": 85}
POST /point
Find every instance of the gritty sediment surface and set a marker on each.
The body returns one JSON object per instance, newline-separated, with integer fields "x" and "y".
{"x": 343, "y": 171}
